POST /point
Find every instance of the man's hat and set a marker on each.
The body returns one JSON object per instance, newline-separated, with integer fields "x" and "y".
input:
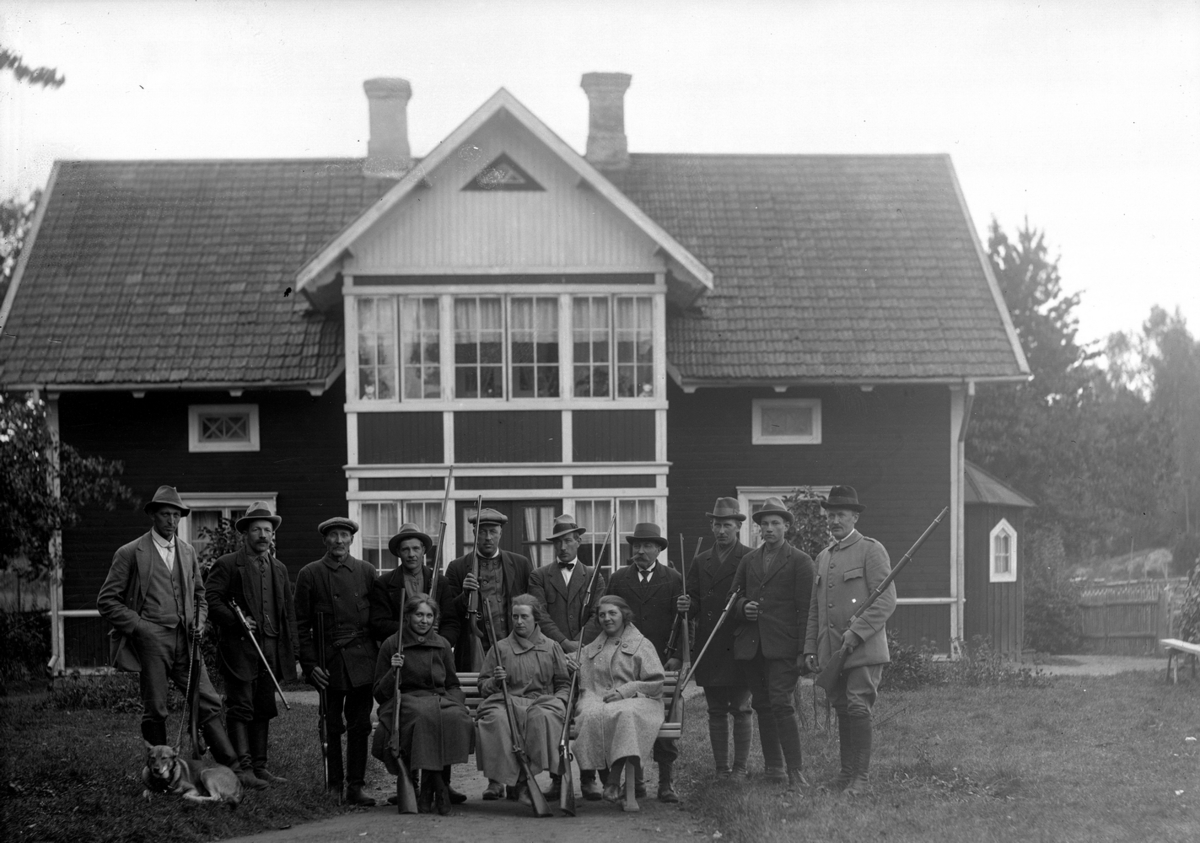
{"x": 842, "y": 497}
{"x": 258, "y": 511}
{"x": 773, "y": 506}
{"x": 337, "y": 521}
{"x": 166, "y": 496}
{"x": 409, "y": 531}
{"x": 489, "y": 516}
{"x": 727, "y": 508}
{"x": 647, "y": 532}
{"x": 564, "y": 525}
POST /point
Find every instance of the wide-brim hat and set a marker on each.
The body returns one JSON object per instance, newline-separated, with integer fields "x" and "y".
{"x": 337, "y": 521}
{"x": 166, "y": 496}
{"x": 647, "y": 532}
{"x": 488, "y": 516}
{"x": 773, "y": 506}
{"x": 258, "y": 511}
{"x": 409, "y": 531}
{"x": 727, "y": 508}
{"x": 842, "y": 497}
{"x": 564, "y": 525}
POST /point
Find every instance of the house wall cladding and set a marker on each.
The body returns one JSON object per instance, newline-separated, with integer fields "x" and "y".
{"x": 506, "y": 437}
{"x": 407, "y": 438}
{"x": 994, "y": 610}
{"x": 613, "y": 435}
{"x": 303, "y": 450}
{"x": 892, "y": 444}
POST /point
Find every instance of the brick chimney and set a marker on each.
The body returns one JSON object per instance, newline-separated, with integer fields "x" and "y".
{"x": 388, "y": 155}
{"x": 607, "y": 147}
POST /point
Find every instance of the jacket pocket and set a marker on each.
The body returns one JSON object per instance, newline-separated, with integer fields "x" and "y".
{"x": 852, "y": 574}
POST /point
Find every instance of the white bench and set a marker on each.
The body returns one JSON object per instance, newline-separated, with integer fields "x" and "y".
{"x": 1177, "y": 650}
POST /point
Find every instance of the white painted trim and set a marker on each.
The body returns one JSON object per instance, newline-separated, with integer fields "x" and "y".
{"x": 352, "y": 438}
{"x": 757, "y": 437}
{"x": 568, "y": 436}
{"x": 660, "y": 435}
{"x": 957, "y": 562}
{"x": 27, "y": 247}
{"x": 540, "y": 469}
{"x": 566, "y": 353}
{"x": 659, "y": 315}
{"x": 468, "y": 405}
{"x": 211, "y": 500}
{"x": 445, "y": 349}
{"x": 645, "y": 493}
{"x": 522, "y": 288}
{"x": 350, "y": 340}
{"x": 1002, "y": 527}
{"x": 926, "y": 601}
{"x": 196, "y": 445}
{"x": 448, "y": 438}
{"x": 79, "y": 613}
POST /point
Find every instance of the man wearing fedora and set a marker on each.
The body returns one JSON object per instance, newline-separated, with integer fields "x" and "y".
{"x": 653, "y": 590}
{"x": 848, "y": 571}
{"x": 257, "y": 582}
{"x": 154, "y": 598}
{"x": 775, "y": 584}
{"x": 339, "y": 586}
{"x": 724, "y": 681}
{"x": 559, "y": 588}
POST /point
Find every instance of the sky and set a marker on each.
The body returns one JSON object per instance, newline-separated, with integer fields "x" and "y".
{"x": 1082, "y": 118}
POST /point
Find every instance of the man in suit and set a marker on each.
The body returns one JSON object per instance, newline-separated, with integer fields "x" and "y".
{"x": 653, "y": 590}
{"x": 775, "y": 581}
{"x": 257, "y": 582}
{"x": 848, "y": 571}
{"x": 154, "y": 598}
{"x": 559, "y": 588}
{"x": 724, "y": 681}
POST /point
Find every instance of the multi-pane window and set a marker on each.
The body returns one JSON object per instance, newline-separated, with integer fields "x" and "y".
{"x": 202, "y": 523}
{"x": 533, "y": 347}
{"x": 381, "y": 521}
{"x": 592, "y": 341}
{"x": 223, "y": 427}
{"x": 377, "y": 347}
{"x": 538, "y": 523}
{"x": 420, "y": 353}
{"x": 786, "y": 421}
{"x": 596, "y": 515}
{"x": 635, "y": 346}
{"x": 1003, "y": 553}
{"x": 479, "y": 347}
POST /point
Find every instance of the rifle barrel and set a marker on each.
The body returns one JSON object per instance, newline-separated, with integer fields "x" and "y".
{"x": 261, "y": 656}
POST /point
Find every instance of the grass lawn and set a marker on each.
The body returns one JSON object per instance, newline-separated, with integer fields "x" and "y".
{"x": 1085, "y": 759}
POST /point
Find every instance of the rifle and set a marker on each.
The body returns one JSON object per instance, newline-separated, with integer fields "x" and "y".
{"x": 566, "y": 798}
{"x": 437, "y": 554}
{"x": 720, "y": 620}
{"x": 686, "y": 646}
{"x": 473, "y": 597}
{"x": 406, "y": 794}
{"x": 540, "y": 807}
{"x": 322, "y": 709}
{"x": 830, "y": 673}
{"x": 261, "y": 656}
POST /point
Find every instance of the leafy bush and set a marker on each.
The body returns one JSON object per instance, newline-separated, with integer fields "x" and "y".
{"x": 809, "y": 530}
{"x": 982, "y": 667}
{"x": 24, "y": 645}
{"x": 910, "y": 668}
{"x": 108, "y": 691}
{"x": 1189, "y": 612}
{"x": 1053, "y": 617}
{"x": 1185, "y": 554}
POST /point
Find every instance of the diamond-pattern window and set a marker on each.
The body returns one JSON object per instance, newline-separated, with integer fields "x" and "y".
{"x": 233, "y": 428}
{"x": 223, "y": 427}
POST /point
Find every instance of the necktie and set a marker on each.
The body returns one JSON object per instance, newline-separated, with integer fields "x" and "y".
{"x": 645, "y": 578}
{"x": 170, "y": 558}
{"x": 566, "y": 566}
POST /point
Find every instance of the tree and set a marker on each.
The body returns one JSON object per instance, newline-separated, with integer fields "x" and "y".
{"x": 16, "y": 219}
{"x": 29, "y": 511}
{"x": 47, "y": 77}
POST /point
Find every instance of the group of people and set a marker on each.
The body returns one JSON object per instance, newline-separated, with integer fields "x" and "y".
{"x": 403, "y": 638}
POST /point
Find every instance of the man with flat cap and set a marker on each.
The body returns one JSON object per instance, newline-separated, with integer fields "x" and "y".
{"x": 653, "y": 590}
{"x": 724, "y": 681}
{"x": 256, "y": 582}
{"x": 154, "y": 598}
{"x": 559, "y": 588}
{"x": 848, "y": 571}
{"x": 338, "y": 586}
{"x": 775, "y": 584}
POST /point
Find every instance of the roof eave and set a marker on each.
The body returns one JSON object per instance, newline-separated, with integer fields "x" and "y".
{"x": 27, "y": 248}
{"x": 312, "y": 386}
{"x": 691, "y": 384}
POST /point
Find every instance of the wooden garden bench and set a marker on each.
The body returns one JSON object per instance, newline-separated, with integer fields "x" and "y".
{"x": 1177, "y": 650}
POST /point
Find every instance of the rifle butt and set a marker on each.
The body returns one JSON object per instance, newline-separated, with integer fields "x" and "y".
{"x": 541, "y": 807}
{"x": 566, "y": 798}
{"x": 406, "y": 794}
{"x": 828, "y": 676}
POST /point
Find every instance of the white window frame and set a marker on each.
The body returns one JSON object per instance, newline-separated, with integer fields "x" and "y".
{"x": 224, "y": 501}
{"x": 757, "y": 437}
{"x": 749, "y": 495}
{"x": 1002, "y": 528}
{"x": 401, "y": 509}
{"x": 195, "y": 444}
{"x": 623, "y": 530}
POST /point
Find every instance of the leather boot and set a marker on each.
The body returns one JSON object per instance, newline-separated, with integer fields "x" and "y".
{"x": 639, "y": 782}
{"x": 789, "y": 742}
{"x": 337, "y": 774}
{"x": 768, "y": 736}
{"x": 863, "y": 734}
{"x": 441, "y": 793}
{"x": 425, "y": 797}
{"x": 239, "y": 738}
{"x": 666, "y": 791}
{"x": 846, "y": 747}
{"x": 555, "y": 790}
{"x": 223, "y": 753}
{"x": 718, "y": 736}
{"x": 260, "y": 731}
{"x": 456, "y": 798}
{"x": 589, "y": 786}
{"x": 356, "y": 770}
{"x": 743, "y": 733}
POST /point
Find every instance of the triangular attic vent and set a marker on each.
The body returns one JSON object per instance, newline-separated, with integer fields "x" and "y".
{"x": 502, "y": 174}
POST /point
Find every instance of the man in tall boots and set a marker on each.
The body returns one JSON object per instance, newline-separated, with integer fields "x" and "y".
{"x": 339, "y": 586}
{"x": 559, "y": 588}
{"x": 257, "y": 582}
{"x": 848, "y": 571}
{"x": 154, "y": 598}
{"x": 653, "y": 591}
{"x": 775, "y": 581}
{"x": 726, "y": 689}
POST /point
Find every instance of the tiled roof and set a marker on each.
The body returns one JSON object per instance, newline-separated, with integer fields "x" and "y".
{"x": 983, "y": 488}
{"x": 825, "y": 268}
{"x": 153, "y": 272}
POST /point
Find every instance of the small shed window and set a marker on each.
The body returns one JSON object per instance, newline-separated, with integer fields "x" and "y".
{"x": 1002, "y": 554}
{"x": 786, "y": 421}
{"x": 223, "y": 427}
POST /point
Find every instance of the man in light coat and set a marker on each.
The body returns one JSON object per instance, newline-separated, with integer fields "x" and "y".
{"x": 848, "y": 571}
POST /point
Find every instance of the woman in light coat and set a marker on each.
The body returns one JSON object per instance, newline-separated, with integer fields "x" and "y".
{"x": 620, "y": 705}
{"x": 535, "y": 670}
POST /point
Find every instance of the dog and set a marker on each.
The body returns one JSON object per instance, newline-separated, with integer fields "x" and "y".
{"x": 196, "y": 781}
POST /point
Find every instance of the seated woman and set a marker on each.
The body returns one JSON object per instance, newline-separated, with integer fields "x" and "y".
{"x": 620, "y": 704}
{"x": 535, "y": 670}
{"x": 435, "y": 726}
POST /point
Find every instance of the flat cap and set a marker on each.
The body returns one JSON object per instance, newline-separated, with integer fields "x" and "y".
{"x": 489, "y": 516}
{"x": 337, "y": 521}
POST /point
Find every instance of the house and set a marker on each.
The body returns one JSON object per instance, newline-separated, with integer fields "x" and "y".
{"x": 617, "y": 334}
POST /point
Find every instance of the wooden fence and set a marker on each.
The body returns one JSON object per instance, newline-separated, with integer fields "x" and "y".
{"x": 1128, "y": 618}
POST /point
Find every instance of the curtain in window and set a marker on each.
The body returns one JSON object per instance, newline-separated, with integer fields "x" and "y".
{"x": 478, "y": 348}
{"x": 377, "y": 348}
{"x": 592, "y": 336}
{"x": 533, "y": 330}
{"x": 635, "y": 346}
{"x": 420, "y": 350}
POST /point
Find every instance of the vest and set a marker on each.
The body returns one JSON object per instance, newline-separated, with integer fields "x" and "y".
{"x": 164, "y": 596}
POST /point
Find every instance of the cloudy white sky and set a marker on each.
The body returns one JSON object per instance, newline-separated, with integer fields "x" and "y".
{"x": 1083, "y": 117}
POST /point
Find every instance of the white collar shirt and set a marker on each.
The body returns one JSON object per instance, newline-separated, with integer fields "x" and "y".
{"x": 166, "y": 550}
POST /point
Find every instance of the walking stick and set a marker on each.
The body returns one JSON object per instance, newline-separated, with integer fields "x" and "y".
{"x": 322, "y": 709}
{"x": 830, "y": 673}
{"x": 406, "y": 794}
{"x": 540, "y": 806}
{"x": 261, "y": 656}
{"x": 473, "y": 598}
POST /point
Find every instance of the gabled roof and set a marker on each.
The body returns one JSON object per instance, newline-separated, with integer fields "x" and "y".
{"x": 827, "y": 268}
{"x": 983, "y": 488}
{"x": 155, "y": 273}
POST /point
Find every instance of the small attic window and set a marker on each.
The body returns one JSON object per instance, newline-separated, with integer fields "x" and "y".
{"x": 1002, "y": 553}
{"x": 786, "y": 421}
{"x": 223, "y": 427}
{"x": 502, "y": 174}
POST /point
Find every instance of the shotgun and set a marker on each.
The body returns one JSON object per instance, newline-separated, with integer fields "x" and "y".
{"x": 437, "y": 554}
{"x": 322, "y": 709}
{"x": 406, "y": 794}
{"x": 540, "y": 806}
{"x": 473, "y": 597}
{"x": 830, "y": 673}
{"x": 261, "y": 656}
{"x": 720, "y": 620}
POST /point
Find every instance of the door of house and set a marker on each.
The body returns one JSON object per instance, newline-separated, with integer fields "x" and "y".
{"x": 529, "y": 522}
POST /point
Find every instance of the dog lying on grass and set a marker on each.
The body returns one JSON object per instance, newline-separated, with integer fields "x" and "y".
{"x": 196, "y": 781}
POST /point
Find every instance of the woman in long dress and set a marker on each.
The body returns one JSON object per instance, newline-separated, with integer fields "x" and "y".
{"x": 535, "y": 671}
{"x": 435, "y": 726}
{"x": 620, "y": 704}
